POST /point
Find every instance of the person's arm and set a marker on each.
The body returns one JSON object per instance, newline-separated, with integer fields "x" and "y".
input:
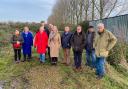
{"x": 35, "y": 41}
{"x": 59, "y": 39}
{"x": 21, "y": 40}
{"x": 95, "y": 41}
{"x": 72, "y": 40}
{"x": 83, "y": 41}
{"x": 112, "y": 41}
{"x": 12, "y": 40}
{"x": 32, "y": 37}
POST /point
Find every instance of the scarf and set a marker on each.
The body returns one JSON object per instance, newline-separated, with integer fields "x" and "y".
{"x": 52, "y": 35}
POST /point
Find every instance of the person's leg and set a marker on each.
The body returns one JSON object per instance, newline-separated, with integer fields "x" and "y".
{"x": 19, "y": 54}
{"x": 101, "y": 66}
{"x": 87, "y": 58}
{"x": 68, "y": 56}
{"x": 25, "y": 57}
{"x": 43, "y": 58}
{"x": 49, "y": 53}
{"x": 15, "y": 54}
{"x": 97, "y": 65}
{"x": 65, "y": 56}
{"x": 75, "y": 58}
{"x": 52, "y": 60}
{"x": 40, "y": 58}
{"x": 56, "y": 59}
{"x": 79, "y": 59}
{"x": 93, "y": 57}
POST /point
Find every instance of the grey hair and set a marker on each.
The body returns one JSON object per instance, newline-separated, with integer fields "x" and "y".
{"x": 100, "y": 24}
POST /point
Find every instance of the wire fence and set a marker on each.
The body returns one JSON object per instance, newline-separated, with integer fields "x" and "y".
{"x": 118, "y": 25}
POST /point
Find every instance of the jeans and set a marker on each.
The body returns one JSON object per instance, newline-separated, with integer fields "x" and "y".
{"x": 90, "y": 58}
{"x": 77, "y": 58}
{"x": 42, "y": 57}
{"x": 100, "y": 66}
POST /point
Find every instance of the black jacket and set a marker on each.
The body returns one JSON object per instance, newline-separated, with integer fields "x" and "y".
{"x": 78, "y": 41}
{"x": 66, "y": 39}
{"x": 89, "y": 45}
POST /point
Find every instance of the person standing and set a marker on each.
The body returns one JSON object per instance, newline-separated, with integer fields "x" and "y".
{"x": 90, "y": 51}
{"x": 28, "y": 43}
{"x": 40, "y": 43}
{"x": 54, "y": 43}
{"x": 104, "y": 42}
{"x": 66, "y": 45}
{"x": 17, "y": 42}
{"x": 78, "y": 44}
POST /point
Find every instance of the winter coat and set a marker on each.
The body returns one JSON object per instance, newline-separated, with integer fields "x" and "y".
{"x": 28, "y": 42}
{"x": 14, "y": 40}
{"x": 78, "y": 41}
{"x": 66, "y": 40}
{"x": 47, "y": 30}
{"x": 104, "y": 42}
{"x": 89, "y": 40}
{"x": 54, "y": 45}
{"x": 41, "y": 42}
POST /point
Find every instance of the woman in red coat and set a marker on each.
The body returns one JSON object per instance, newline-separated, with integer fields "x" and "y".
{"x": 41, "y": 43}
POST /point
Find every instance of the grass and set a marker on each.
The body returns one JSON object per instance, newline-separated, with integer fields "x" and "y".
{"x": 33, "y": 75}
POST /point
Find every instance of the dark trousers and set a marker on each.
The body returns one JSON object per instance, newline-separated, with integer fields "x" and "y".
{"x": 77, "y": 59}
{"x": 17, "y": 54}
{"x": 27, "y": 56}
{"x": 54, "y": 60}
{"x": 48, "y": 52}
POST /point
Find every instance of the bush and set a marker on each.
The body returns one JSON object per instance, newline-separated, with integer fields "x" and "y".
{"x": 118, "y": 54}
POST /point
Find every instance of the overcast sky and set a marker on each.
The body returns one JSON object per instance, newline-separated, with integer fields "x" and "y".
{"x": 25, "y": 10}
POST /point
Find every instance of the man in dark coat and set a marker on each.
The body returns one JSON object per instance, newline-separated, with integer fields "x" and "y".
{"x": 78, "y": 44}
{"x": 66, "y": 45}
{"x": 28, "y": 43}
{"x": 90, "y": 51}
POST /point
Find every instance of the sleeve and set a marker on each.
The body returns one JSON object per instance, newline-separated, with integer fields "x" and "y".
{"x": 95, "y": 41}
{"x": 32, "y": 39}
{"x": 22, "y": 40}
{"x": 83, "y": 41}
{"x": 112, "y": 41}
{"x": 35, "y": 40}
{"x": 12, "y": 40}
{"x": 46, "y": 40}
{"x": 72, "y": 40}
{"x": 59, "y": 39}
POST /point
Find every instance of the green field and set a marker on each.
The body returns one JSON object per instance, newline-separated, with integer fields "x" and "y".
{"x": 33, "y": 75}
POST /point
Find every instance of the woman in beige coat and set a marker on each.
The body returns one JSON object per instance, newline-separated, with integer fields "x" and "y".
{"x": 54, "y": 44}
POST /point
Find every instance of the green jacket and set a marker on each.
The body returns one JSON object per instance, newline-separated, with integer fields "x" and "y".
{"x": 103, "y": 43}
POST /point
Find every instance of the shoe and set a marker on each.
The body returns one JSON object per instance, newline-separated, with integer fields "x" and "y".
{"x": 75, "y": 69}
{"x": 80, "y": 69}
{"x": 23, "y": 61}
{"x": 99, "y": 77}
{"x": 63, "y": 63}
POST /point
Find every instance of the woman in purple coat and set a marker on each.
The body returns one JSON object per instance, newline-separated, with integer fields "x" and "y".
{"x": 28, "y": 43}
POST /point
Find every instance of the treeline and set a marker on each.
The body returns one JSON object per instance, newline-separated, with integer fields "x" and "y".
{"x": 75, "y": 11}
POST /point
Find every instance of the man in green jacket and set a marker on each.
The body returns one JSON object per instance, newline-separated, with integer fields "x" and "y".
{"x": 103, "y": 43}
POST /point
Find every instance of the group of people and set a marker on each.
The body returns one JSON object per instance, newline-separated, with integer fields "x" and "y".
{"x": 48, "y": 40}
